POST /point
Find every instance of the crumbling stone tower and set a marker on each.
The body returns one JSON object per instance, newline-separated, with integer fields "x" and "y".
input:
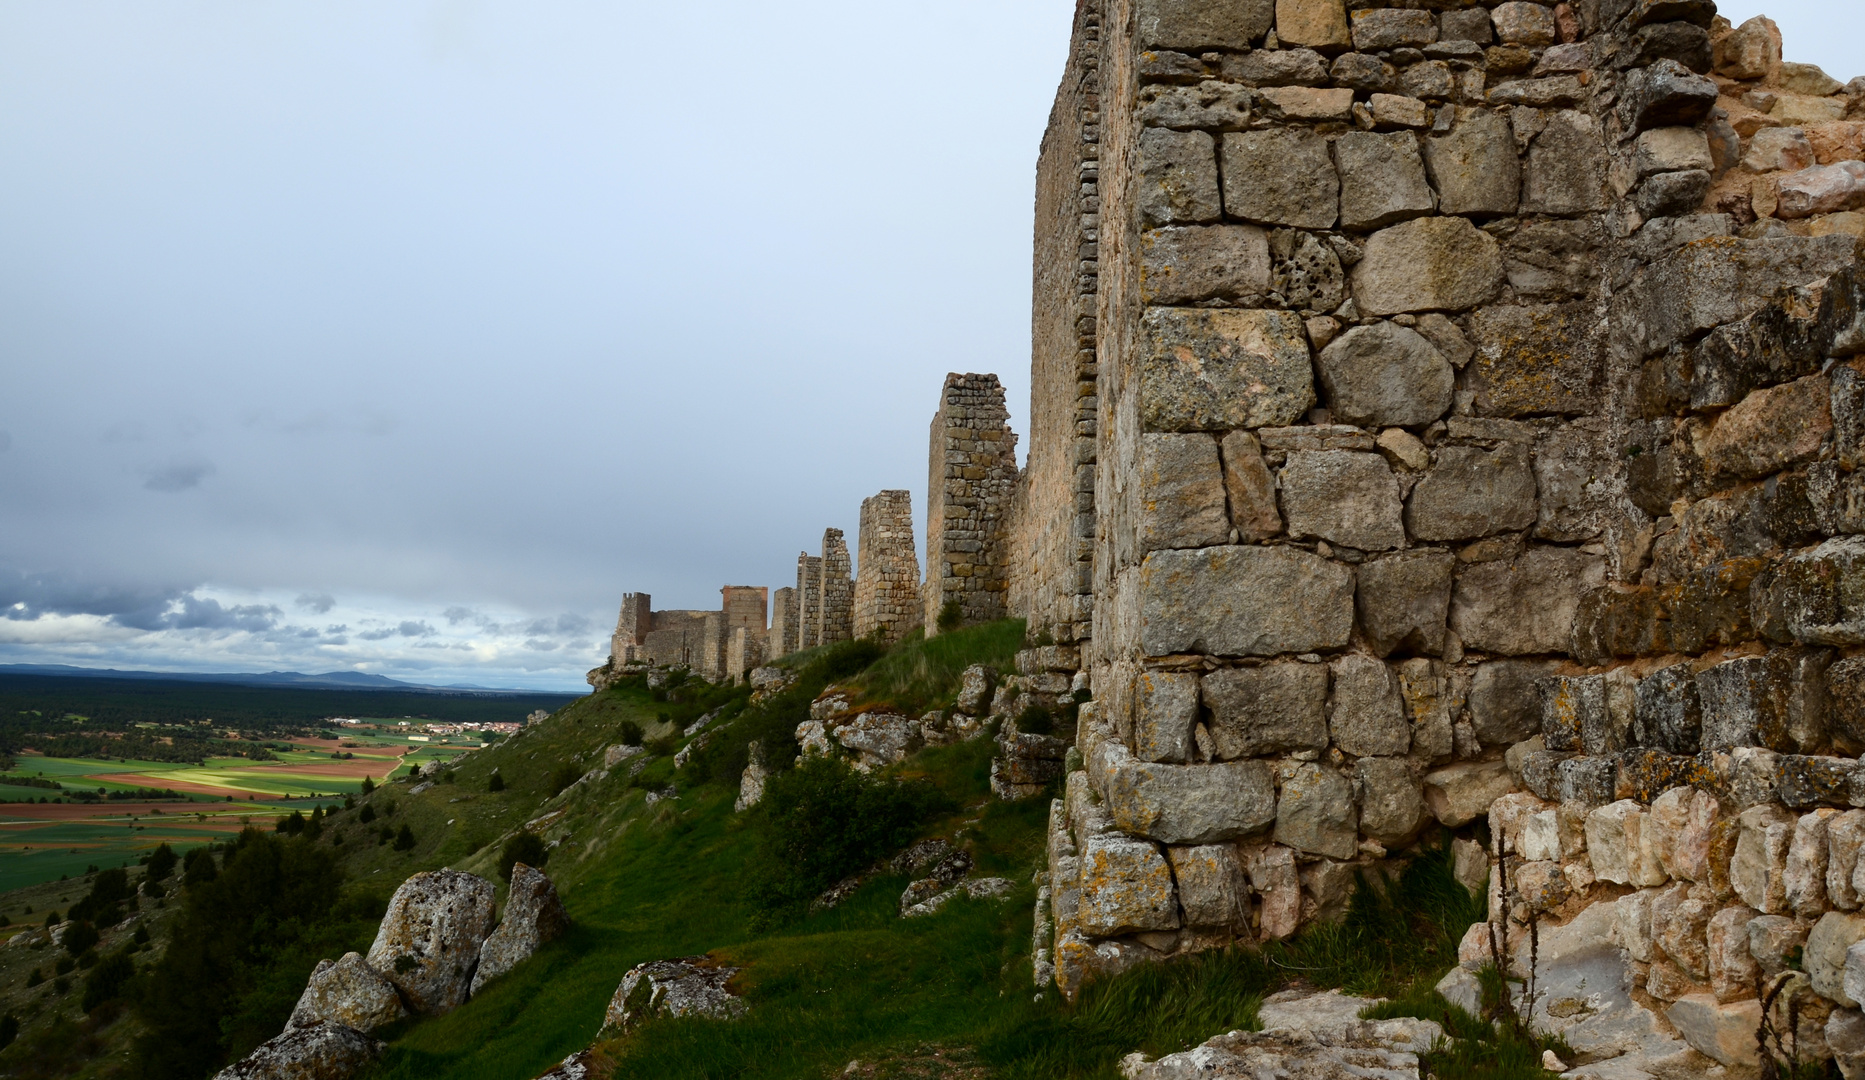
{"x": 809, "y": 600}
{"x": 887, "y": 579}
{"x": 783, "y": 622}
{"x": 973, "y": 476}
{"x": 631, "y": 627}
{"x": 835, "y": 619}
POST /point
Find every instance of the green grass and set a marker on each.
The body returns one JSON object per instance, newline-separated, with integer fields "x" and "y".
{"x": 921, "y": 673}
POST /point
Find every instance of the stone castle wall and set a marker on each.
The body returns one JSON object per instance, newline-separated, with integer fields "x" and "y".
{"x": 887, "y": 584}
{"x": 1476, "y": 419}
{"x": 783, "y": 622}
{"x": 972, "y": 474}
{"x": 809, "y": 599}
{"x": 835, "y": 618}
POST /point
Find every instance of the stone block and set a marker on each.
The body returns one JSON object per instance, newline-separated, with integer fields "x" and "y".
{"x": 1272, "y": 709}
{"x": 1301, "y": 104}
{"x": 1541, "y": 837}
{"x": 1822, "y": 189}
{"x": 1572, "y": 707}
{"x": 1536, "y": 359}
{"x": 1398, "y": 111}
{"x": 1819, "y": 594}
{"x": 1667, "y": 94}
{"x": 1243, "y": 601}
{"x": 1770, "y": 430}
{"x": 1382, "y": 179}
{"x": 1342, "y": 497}
{"x": 1775, "y": 701}
{"x": 1643, "y": 774}
{"x": 1277, "y": 67}
{"x": 1566, "y": 171}
{"x": 1404, "y": 602}
{"x": 1776, "y": 942}
{"x": 1470, "y": 24}
{"x": 1427, "y": 264}
{"x": 1720, "y": 280}
{"x": 1126, "y": 886}
{"x": 1459, "y": 794}
{"x": 1281, "y": 176}
{"x": 1431, "y": 79}
{"x": 1504, "y": 705}
{"x": 1725, "y": 1032}
{"x": 1318, "y": 23}
{"x": 1519, "y": 23}
{"x": 1306, "y": 272}
{"x": 1681, "y": 930}
{"x": 1196, "y": 25}
{"x": 1186, "y": 804}
{"x": 1844, "y": 835}
{"x": 1385, "y": 375}
{"x": 1211, "y": 884}
{"x": 1362, "y": 72}
{"x": 1811, "y": 780}
{"x": 1471, "y": 493}
{"x": 1553, "y": 260}
{"x": 1845, "y": 1037}
{"x": 1165, "y": 711}
{"x": 1250, "y": 487}
{"x": 1316, "y": 813}
{"x": 1751, "y": 51}
{"x": 348, "y": 992}
{"x": 1669, "y": 712}
{"x": 1754, "y": 776}
{"x": 1473, "y": 165}
{"x": 1274, "y": 876}
{"x": 1758, "y": 870}
{"x": 1178, "y": 178}
{"x": 1364, "y": 714}
{"x": 1181, "y": 491}
{"x": 1671, "y": 149}
{"x": 1673, "y": 193}
{"x": 1774, "y": 150}
{"x": 1587, "y": 781}
{"x": 1192, "y": 263}
{"x": 1392, "y": 28}
{"x": 1805, "y": 876}
{"x": 1211, "y": 105}
{"x": 1525, "y": 605}
{"x": 1612, "y": 833}
{"x": 1827, "y": 960}
{"x": 1214, "y": 370}
{"x": 1540, "y": 769}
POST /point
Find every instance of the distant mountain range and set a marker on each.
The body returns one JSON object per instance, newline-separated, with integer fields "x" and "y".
{"x": 330, "y": 680}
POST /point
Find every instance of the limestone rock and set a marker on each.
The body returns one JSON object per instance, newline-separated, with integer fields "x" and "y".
{"x": 1316, "y": 813}
{"x": 1210, "y": 105}
{"x": 1504, "y": 706}
{"x": 533, "y": 916}
{"x": 1392, "y": 804}
{"x": 1178, "y": 177}
{"x": 1312, "y": 22}
{"x": 974, "y": 690}
{"x": 687, "y": 986}
{"x": 1364, "y": 714}
{"x": 1281, "y": 176}
{"x": 1845, "y": 1036}
{"x": 1385, "y": 375}
{"x": 1165, "y": 711}
{"x": 1382, "y": 179}
{"x": 1207, "y": 370}
{"x": 1472, "y": 493}
{"x": 1243, "y": 601}
{"x": 1757, "y": 871}
{"x": 1342, "y": 497}
{"x": 1459, "y": 794}
{"x": 1827, "y": 958}
{"x": 879, "y": 739}
{"x": 1388, "y": 28}
{"x": 1537, "y": 358}
{"x": 1844, "y": 835}
{"x": 317, "y": 1051}
{"x": 1723, "y": 1032}
{"x": 1126, "y": 886}
{"x": 1186, "y": 804}
{"x": 1680, "y": 927}
{"x": 1181, "y": 492}
{"x": 1196, "y": 25}
{"x": 1404, "y": 602}
{"x": 1776, "y": 941}
{"x": 428, "y": 944}
{"x": 349, "y": 993}
{"x": 1566, "y": 167}
{"x": 1427, "y": 264}
{"x": 1525, "y": 605}
{"x": 1520, "y": 23}
{"x": 1274, "y": 708}
{"x": 1804, "y": 877}
{"x": 1192, "y": 263}
{"x": 1250, "y": 488}
{"x": 1769, "y": 430}
{"x": 1212, "y": 890}
{"x": 1668, "y": 94}
{"x": 1474, "y": 166}
{"x": 1751, "y": 51}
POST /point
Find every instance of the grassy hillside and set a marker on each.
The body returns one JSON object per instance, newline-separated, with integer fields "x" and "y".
{"x": 945, "y": 995}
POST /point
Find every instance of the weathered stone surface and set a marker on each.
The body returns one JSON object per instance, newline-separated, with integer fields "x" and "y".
{"x": 1679, "y": 926}
{"x": 974, "y": 690}
{"x": 1471, "y": 24}
{"x": 1244, "y": 601}
{"x": 1277, "y": 67}
{"x": 348, "y": 992}
{"x": 879, "y": 738}
{"x": 1126, "y": 886}
{"x": 1283, "y": 176}
{"x": 1613, "y": 838}
{"x": 1774, "y": 701}
{"x": 1751, "y": 51}
{"x": 1250, "y": 488}
{"x": 1382, "y": 179}
{"x": 1775, "y": 941}
{"x": 1536, "y": 359}
{"x": 688, "y": 986}
{"x": 1186, "y": 804}
{"x": 1723, "y": 1032}
{"x": 1364, "y": 715}
{"x": 1428, "y": 264}
{"x": 1474, "y": 166}
{"x": 1504, "y": 705}
{"x": 1271, "y": 709}
{"x": 1312, "y": 22}
{"x": 1777, "y": 149}
{"x": 1819, "y": 595}
{"x": 1825, "y": 958}
{"x": 1808, "y": 780}
{"x": 1388, "y": 28}
{"x": 1758, "y": 870}
{"x": 1805, "y": 876}
{"x": 1525, "y": 605}
{"x": 318, "y": 1051}
{"x": 1190, "y": 263}
{"x": 1471, "y": 493}
{"x": 1178, "y": 177}
{"x": 1213, "y": 370}
{"x": 1672, "y": 193}
{"x": 1385, "y": 375}
{"x": 1305, "y": 272}
{"x": 1275, "y": 878}
{"x": 1317, "y": 814}
{"x": 1342, "y": 497}
{"x": 1362, "y": 72}
{"x": 1165, "y": 709}
{"x": 1193, "y": 25}
{"x": 1459, "y": 794}
{"x": 1212, "y": 890}
{"x": 1844, "y": 836}
{"x": 1432, "y": 79}
{"x": 1566, "y": 167}
{"x": 533, "y": 917}
{"x": 428, "y": 943}
{"x": 1304, "y": 104}
{"x": 1520, "y": 23}
{"x": 1210, "y": 105}
{"x": 1822, "y": 189}
{"x": 1671, "y": 149}
{"x": 1392, "y": 804}
{"x": 1845, "y": 1037}
{"x": 1668, "y": 94}
{"x": 1732, "y": 967}
{"x": 1553, "y": 260}
{"x": 1181, "y": 492}
{"x": 1404, "y": 602}
{"x": 1720, "y": 280}
{"x": 1669, "y": 712}
{"x": 1770, "y": 430}
{"x": 1397, "y": 110}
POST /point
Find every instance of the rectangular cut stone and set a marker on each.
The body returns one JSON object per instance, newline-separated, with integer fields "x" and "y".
{"x": 1427, "y": 264}
{"x": 1571, "y": 705}
{"x": 1770, "y": 430}
{"x": 1192, "y": 263}
{"x": 1808, "y": 780}
{"x": 1181, "y": 492}
{"x": 1526, "y": 605}
{"x": 1250, "y": 487}
{"x": 1214, "y": 370}
{"x": 1316, "y": 813}
{"x": 1243, "y": 601}
{"x": 1669, "y": 712}
{"x": 1365, "y": 717}
{"x": 1612, "y": 841}
{"x": 1474, "y": 165}
{"x": 1774, "y": 701}
{"x": 1645, "y": 773}
{"x": 1281, "y": 176}
{"x": 1587, "y": 781}
{"x": 1722, "y": 279}
{"x": 1404, "y": 602}
{"x": 1178, "y": 177}
{"x": 1186, "y": 804}
{"x": 1271, "y": 709}
{"x": 1844, "y": 835}
{"x": 1345, "y": 498}
{"x": 1196, "y": 25}
{"x": 1301, "y": 103}
{"x": 1535, "y": 360}
{"x": 1758, "y": 870}
{"x": 1312, "y": 23}
{"x": 1165, "y": 711}
{"x": 1126, "y": 886}
{"x": 1805, "y": 876}
{"x": 1388, "y": 28}
{"x": 1211, "y": 883}
{"x": 1382, "y": 179}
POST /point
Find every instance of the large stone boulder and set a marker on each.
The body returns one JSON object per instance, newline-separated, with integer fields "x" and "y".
{"x": 687, "y": 986}
{"x": 533, "y": 916}
{"x": 428, "y": 945}
{"x": 348, "y": 992}
{"x": 320, "y": 1051}
{"x": 879, "y": 739}
{"x": 1304, "y": 1037}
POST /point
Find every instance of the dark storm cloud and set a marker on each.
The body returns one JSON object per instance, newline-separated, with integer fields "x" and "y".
{"x": 457, "y": 615}
{"x": 177, "y": 476}
{"x": 26, "y": 596}
{"x": 415, "y": 629}
{"x": 210, "y": 614}
{"x": 317, "y": 602}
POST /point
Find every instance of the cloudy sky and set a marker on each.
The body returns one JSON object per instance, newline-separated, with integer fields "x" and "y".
{"x": 405, "y": 337}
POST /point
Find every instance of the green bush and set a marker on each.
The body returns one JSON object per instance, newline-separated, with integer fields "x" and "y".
{"x": 496, "y": 783}
{"x": 198, "y": 868}
{"x": 950, "y": 615}
{"x": 564, "y": 775}
{"x": 821, "y": 822}
{"x": 79, "y": 937}
{"x": 663, "y": 746}
{"x": 404, "y": 840}
{"x": 367, "y": 814}
{"x": 161, "y": 863}
{"x": 630, "y": 733}
{"x": 9, "y": 1030}
{"x": 103, "y": 904}
{"x": 527, "y": 847}
{"x": 107, "y": 980}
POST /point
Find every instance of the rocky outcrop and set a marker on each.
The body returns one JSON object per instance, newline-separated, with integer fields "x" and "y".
{"x": 751, "y": 782}
{"x": 1304, "y": 1037}
{"x": 533, "y": 916}
{"x": 319, "y": 1051}
{"x": 688, "y": 986}
{"x": 428, "y": 944}
{"x": 348, "y": 992}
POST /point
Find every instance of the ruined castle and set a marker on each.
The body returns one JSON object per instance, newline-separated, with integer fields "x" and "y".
{"x": 1444, "y": 423}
